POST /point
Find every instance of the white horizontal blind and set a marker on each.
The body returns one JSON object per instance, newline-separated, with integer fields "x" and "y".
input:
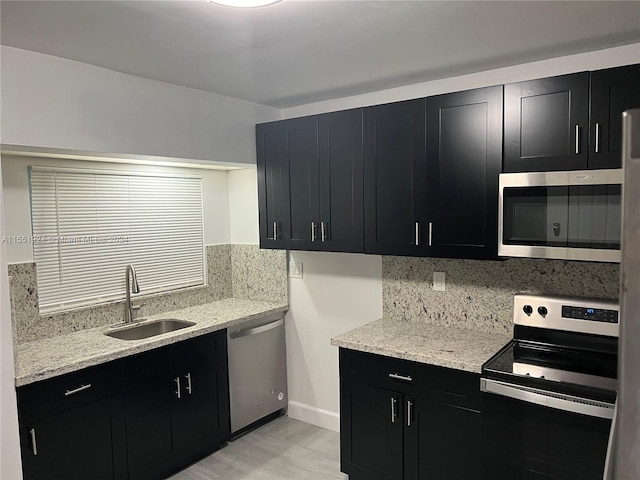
{"x": 88, "y": 226}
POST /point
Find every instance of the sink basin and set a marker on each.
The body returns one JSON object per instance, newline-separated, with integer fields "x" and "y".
{"x": 151, "y": 329}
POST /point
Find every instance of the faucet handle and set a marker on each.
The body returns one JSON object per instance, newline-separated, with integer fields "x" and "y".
{"x": 135, "y": 308}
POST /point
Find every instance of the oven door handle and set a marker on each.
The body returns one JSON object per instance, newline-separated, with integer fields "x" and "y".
{"x": 559, "y": 401}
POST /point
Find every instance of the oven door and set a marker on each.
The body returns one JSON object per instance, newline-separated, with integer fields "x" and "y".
{"x": 566, "y": 215}
{"x": 530, "y": 433}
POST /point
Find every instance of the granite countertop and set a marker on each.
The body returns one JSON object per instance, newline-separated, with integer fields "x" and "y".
{"x": 55, "y": 356}
{"x": 435, "y": 345}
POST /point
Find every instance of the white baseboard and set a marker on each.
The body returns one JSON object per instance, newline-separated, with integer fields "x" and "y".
{"x": 313, "y": 415}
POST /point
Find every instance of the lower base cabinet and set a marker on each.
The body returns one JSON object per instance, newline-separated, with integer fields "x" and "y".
{"x": 405, "y": 420}
{"x": 138, "y": 418}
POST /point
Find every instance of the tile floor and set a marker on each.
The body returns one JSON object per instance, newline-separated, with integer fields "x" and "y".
{"x": 284, "y": 449}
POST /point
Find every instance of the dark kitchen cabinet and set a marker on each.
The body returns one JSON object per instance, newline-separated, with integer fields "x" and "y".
{"x": 464, "y": 158}
{"x": 546, "y": 124}
{"x": 442, "y": 440}
{"x": 613, "y": 91}
{"x": 310, "y": 182}
{"x": 176, "y": 405}
{"x": 287, "y": 161}
{"x": 340, "y": 182}
{"x": 395, "y": 187}
{"x": 405, "y": 420}
{"x": 72, "y": 426}
{"x": 372, "y": 449}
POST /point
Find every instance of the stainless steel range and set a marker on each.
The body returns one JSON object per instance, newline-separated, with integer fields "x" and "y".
{"x": 549, "y": 396}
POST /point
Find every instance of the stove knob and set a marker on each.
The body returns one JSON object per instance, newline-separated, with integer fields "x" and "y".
{"x": 543, "y": 311}
{"x": 528, "y": 309}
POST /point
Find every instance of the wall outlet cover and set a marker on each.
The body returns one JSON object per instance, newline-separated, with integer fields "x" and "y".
{"x": 439, "y": 281}
{"x": 295, "y": 269}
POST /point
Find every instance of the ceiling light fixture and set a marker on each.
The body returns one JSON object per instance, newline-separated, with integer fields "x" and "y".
{"x": 244, "y": 3}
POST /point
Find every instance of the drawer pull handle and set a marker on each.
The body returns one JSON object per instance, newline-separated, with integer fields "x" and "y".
{"x": 34, "y": 445}
{"x": 393, "y": 410}
{"x": 177, "y": 392}
{"x": 81, "y": 388}
{"x": 188, "y": 377}
{"x": 397, "y": 376}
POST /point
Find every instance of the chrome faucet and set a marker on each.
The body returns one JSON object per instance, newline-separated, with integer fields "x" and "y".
{"x": 128, "y": 308}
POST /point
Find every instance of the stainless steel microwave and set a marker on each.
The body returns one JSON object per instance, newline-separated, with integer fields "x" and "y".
{"x": 574, "y": 215}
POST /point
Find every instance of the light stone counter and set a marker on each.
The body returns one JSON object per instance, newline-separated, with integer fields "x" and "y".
{"x": 435, "y": 345}
{"x": 50, "y": 357}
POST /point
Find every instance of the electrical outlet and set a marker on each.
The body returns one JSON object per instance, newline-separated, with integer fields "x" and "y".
{"x": 295, "y": 269}
{"x": 439, "y": 283}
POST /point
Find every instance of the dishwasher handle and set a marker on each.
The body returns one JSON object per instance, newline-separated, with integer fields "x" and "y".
{"x": 559, "y": 401}
{"x": 256, "y": 330}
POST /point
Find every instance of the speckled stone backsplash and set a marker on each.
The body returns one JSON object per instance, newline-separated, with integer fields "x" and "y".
{"x": 259, "y": 274}
{"x": 479, "y": 294}
{"x": 270, "y": 269}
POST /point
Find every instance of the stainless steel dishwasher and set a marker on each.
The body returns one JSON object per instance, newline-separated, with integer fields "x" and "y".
{"x": 257, "y": 370}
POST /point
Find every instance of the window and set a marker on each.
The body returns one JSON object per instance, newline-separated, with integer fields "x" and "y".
{"x": 89, "y": 225}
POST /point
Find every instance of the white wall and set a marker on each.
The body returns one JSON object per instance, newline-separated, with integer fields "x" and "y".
{"x": 54, "y": 102}
{"x": 243, "y": 206}
{"x": 15, "y": 182}
{"x": 611, "y": 57}
{"x": 10, "y": 467}
{"x": 338, "y": 292}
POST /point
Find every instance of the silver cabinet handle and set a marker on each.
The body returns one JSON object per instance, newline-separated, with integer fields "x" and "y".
{"x": 597, "y": 137}
{"x": 401, "y": 377}
{"x": 577, "y": 138}
{"x": 430, "y": 232}
{"x": 77, "y": 390}
{"x": 34, "y": 445}
{"x": 275, "y": 232}
{"x": 417, "y": 234}
{"x": 323, "y": 233}
{"x": 313, "y": 232}
{"x": 393, "y": 410}
{"x": 188, "y": 377}
{"x": 409, "y": 405}
{"x": 177, "y": 380}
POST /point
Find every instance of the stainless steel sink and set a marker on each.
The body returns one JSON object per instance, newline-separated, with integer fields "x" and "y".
{"x": 151, "y": 329}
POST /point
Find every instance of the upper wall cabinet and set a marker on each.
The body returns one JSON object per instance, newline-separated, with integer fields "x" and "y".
{"x": 612, "y": 92}
{"x": 570, "y": 122}
{"x": 310, "y": 182}
{"x": 546, "y": 124}
{"x": 464, "y": 157}
{"x": 395, "y": 187}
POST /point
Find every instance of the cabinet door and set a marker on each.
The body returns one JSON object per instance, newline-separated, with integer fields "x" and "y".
{"x": 340, "y": 181}
{"x": 464, "y": 157}
{"x": 545, "y": 124}
{"x": 442, "y": 441}
{"x": 302, "y": 154}
{"x": 74, "y": 445}
{"x": 273, "y": 184}
{"x": 612, "y": 92}
{"x": 395, "y": 178}
{"x": 371, "y": 430}
{"x": 148, "y": 423}
{"x": 200, "y": 417}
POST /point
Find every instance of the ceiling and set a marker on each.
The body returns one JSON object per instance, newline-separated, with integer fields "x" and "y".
{"x": 299, "y": 51}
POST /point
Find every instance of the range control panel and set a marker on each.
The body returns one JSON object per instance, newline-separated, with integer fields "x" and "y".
{"x": 590, "y": 313}
{"x": 583, "y": 315}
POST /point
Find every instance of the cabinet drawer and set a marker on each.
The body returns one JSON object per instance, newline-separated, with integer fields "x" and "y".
{"x": 205, "y": 348}
{"x": 454, "y": 387}
{"x": 70, "y": 390}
